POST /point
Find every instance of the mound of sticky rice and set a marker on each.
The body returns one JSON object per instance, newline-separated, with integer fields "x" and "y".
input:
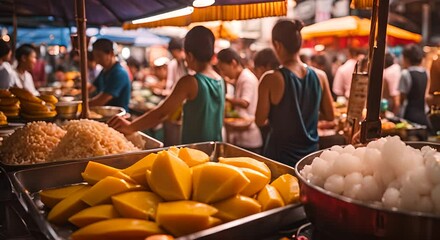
{"x": 87, "y": 138}
{"x": 386, "y": 171}
{"x": 31, "y": 144}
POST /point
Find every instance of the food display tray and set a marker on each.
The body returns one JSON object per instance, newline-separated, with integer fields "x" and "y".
{"x": 139, "y": 139}
{"x": 29, "y": 182}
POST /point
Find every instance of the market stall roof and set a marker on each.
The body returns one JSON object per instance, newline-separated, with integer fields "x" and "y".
{"x": 225, "y": 10}
{"x": 139, "y": 37}
{"x": 43, "y": 36}
{"x": 99, "y": 12}
{"x": 353, "y": 26}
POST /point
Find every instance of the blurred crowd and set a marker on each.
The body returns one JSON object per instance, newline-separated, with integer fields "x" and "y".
{"x": 269, "y": 102}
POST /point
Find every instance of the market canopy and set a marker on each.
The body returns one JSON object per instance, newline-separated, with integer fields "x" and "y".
{"x": 43, "y": 36}
{"x": 225, "y": 10}
{"x": 139, "y": 37}
{"x": 355, "y": 27}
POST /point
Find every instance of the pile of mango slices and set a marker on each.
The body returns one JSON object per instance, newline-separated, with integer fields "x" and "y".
{"x": 176, "y": 192}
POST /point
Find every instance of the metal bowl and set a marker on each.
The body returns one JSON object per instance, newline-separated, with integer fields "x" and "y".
{"x": 68, "y": 109}
{"x": 106, "y": 112}
{"x": 336, "y": 215}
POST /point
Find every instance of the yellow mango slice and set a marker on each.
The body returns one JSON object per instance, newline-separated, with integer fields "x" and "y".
{"x": 51, "y": 197}
{"x": 174, "y": 150}
{"x": 258, "y": 181}
{"x": 288, "y": 187}
{"x": 123, "y": 176}
{"x": 67, "y": 207}
{"x": 137, "y": 170}
{"x": 139, "y": 204}
{"x": 185, "y": 217}
{"x": 270, "y": 198}
{"x": 236, "y": 207}
{"x": 247, "y": 162}
{"x": 94, "y": 214}
{"x": 214, "y": 181}
{"x": 193, "y": 157}
{"x": 116, "y": 229}
{"x": 170, "y": 177}
{"x": 102, "y": 191}
{"x": 95, "y": 171}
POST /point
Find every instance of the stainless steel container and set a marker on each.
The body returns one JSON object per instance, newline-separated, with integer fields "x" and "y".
{"x": 106, "y": 112}
{"x": 346, "y": 218}
{"x": 30, "y": 181}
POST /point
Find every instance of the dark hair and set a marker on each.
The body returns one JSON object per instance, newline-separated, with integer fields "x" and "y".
{"x": 133, "y": 62}
{"x": 199, "y": 41}
{"x": 104, "y": 45}
{"x": 228, "y": 55}
{"x": 413, "y": 53}
{"x": 175, "y": 44}
{"x": 4, "y": 48}
{"x": 90, "y": 56}
{"x": 24, "y": 50}
{"x": 287, "y": 32}
{"x": 389, "y": 60}
{"x": 60, "y": 68}
{"x": 266, "y": 58}
{"x": 320, "y": 60}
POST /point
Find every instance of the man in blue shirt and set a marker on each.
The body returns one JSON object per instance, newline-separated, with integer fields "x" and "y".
{"x": 112, "y": 85}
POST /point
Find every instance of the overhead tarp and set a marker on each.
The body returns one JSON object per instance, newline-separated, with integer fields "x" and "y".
{"x": 139, "y": 37}
{"x": 226, "y": 10}
{"x": 43, "y": 36}
{"x": 355, "y": 27}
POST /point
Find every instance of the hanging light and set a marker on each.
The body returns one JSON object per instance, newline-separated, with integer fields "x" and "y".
{"x": 203, "y": 3}
{"x": 172, "y": 14}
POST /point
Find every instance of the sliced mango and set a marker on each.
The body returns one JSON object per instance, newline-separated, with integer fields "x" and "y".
{"x": 96, "y": 171}
{"x": 170, "y": 177}
{"x": 214, "y": 181}
{"x": 174, "y": 150}
{"x": 94, "y": 214}
{"x": 236, "y": 207}
{"x": 193, "y": 157}
{"x": 247, "y": 162}
{"x": 102, "y": 191}
{"x": 51, "y": 197}
{"x": 185, "y": 217}
{"x": 270, "y": 198}
{"x": 288, "y": 187}
{"x": 118, "y": 228}
{"x": 139, "y": 204}
{"x": 258, "y": 181}
{"x": 67, "y": 207}
{"x": 137, "y": 170}
{"x": 123, "y": 176}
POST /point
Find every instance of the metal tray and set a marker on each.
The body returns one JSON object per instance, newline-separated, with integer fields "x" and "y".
{"x": 139, "y": 139}
{"x": 30, "y": 181}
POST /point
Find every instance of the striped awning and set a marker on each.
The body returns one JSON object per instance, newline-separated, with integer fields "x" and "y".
{"x": 221, "y": 12}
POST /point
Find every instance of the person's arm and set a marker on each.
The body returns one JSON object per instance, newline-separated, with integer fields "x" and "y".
{"x": 338, "y": 83}
{"x": 238, "y": 102}
{"x": 100, "y": 100}
{"x": 269, "y": 89}
{"x": 326, "y": 109}
{"x": 186, "y": 88}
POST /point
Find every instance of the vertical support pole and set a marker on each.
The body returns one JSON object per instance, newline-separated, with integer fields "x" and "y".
{"x": 14, "y": 34}
{"x": 80, "y": 10}
{"x": 426, "y": 15}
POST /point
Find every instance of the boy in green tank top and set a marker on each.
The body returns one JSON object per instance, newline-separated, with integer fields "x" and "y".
{"x": 202, "y": 95}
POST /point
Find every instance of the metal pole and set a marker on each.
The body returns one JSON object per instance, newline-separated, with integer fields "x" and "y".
{"x": 371, "y": 126}
{"x": 80, "y": 9}
{"x": 14, "y": 35}
{"x": 426, "y": 14}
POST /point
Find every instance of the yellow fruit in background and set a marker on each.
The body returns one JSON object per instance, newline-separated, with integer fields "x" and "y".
{"x": 5, "y": 93}
{"x": 288, "y": 187}
{"x": 236, "y": 207}
{"x": 102, "y": 191}
{"x": 116, "y": 229}
{"x": 51, "y": 197}
{"x": 49, "y": 98}
{"x": 8, "y": 101}
{"x": 25, "y": 95}
{"x": 94, "y": 214}
{"x": 170, "y": 177}
{"x": 95, "y": 171}
{"x": 137, "y": 170}
{"x": 185, "y": 217}
{"x": 247, "y": 162}
{"x": 258, "y": 181}
{"x": 270, "y": 198}
{"x": 213, "y": 182}
{"x": 139, "y": 204}
{"x": 193, "y": 157}
{"x": 69, "y": 206}
{"x": 37, "y": 115}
